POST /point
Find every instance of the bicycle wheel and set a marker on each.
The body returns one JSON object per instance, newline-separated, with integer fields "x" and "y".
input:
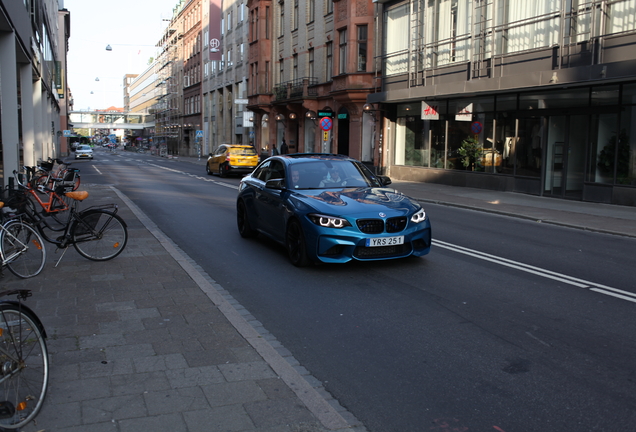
{"x": 23, "y": 249}
{"x": 24, "y": 366}
{"x": 99, "y": 235}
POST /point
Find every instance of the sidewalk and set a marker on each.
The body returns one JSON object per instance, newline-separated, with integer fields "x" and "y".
{"x": 149, "y": 342}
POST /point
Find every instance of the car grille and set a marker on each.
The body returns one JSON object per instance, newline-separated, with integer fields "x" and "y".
{"x": 363, "y": 252}
{"x": 377, "y": 226}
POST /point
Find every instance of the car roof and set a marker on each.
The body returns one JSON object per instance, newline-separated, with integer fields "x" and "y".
{"x": 304, "y": 157}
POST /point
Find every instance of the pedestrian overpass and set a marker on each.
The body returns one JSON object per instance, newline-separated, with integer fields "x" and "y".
{"x": 110, "y": 120}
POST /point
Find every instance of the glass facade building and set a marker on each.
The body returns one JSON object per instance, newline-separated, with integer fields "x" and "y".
{"x": 534, "y": 97}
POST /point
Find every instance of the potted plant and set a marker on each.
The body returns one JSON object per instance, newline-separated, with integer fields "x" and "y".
{"x": 470, "y": 151}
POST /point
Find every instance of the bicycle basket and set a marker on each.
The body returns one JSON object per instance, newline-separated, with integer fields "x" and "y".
{"x": 47, "y": 166}
{"x": 63, "y": 188}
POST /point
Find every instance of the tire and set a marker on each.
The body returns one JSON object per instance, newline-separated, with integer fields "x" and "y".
{"x": 296, "y": 246}
{"x": 99, "y": 235}
{"x": 25, "y": 366}
{"x": 222, "y": 171}
{"x": 207, "y": 169}
{"x": 243, "y": 223}
{"x": 24, "y": 248}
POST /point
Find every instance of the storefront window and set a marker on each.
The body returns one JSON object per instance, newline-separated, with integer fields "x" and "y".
{"x": 416, "y": 154}
{"x": 626, "y": 161}
{"x": 606, "y": 95}
{"x": 505, "y": 142}
{"x": 603, "y": 148}
{"x": 529, "y": 147}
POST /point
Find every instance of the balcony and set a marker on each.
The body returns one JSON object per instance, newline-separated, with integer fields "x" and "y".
{"x": 300, "y": 88}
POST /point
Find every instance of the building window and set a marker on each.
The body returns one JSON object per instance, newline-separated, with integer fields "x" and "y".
{"x": 281, "y": 72}
{"x": 241, "y": 12}
{"x": 266, "y": 76}
{"x": 267, "y": 22}
{"x": 229, "y": 21}
{"x": 329, "y": 7}
{"x": 311, "y": 10}
{"x": 281, "y": 23}
{"x": 295, "y": 17}
{"x": 396, "y": 23}
{"x": 295, "y": 67}
{"x": 342, "y": 51}
{"x": 310, "y": 55}
{"x": 329, "y": 60}
{"x": 362, "y": 48}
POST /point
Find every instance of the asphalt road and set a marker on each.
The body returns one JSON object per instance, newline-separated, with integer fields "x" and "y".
{"x": 467, "y": 338}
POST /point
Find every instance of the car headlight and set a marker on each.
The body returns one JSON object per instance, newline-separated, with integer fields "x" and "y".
{"x": 419, "y": 216}
{"x": 328, "y": 221}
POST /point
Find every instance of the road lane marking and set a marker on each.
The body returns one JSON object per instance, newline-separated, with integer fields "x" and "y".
{"x": 580, "y": 283}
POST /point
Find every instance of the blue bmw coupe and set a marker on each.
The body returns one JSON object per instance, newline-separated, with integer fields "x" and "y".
{"x": 330, "y": 208}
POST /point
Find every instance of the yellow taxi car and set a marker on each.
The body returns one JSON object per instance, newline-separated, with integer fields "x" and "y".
{"x": 232, "y": 159}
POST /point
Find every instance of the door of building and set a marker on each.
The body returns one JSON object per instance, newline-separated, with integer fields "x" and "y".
{"x": 343, "y": 132}
{"x": 565, "y": 156}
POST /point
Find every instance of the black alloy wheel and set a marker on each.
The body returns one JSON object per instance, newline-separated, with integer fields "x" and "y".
{"x": 296, "y": 247}
{"x": 243, "y": 223}
{"x": 222, "y": 170}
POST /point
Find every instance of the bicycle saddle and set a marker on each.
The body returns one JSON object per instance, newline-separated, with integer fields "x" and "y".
{"x": 77, "y": 195}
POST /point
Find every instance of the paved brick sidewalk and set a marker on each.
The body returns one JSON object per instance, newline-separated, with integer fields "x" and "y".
{"x": 148, "y": 342}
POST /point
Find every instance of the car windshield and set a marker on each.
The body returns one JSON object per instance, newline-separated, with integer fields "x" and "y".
{"x": 243, "y": 151}
{"x": 84, "y": 147}
{"x": 330, "y": 174}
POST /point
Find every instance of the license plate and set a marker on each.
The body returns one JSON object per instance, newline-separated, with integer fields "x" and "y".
{"x": 385, "y": 241}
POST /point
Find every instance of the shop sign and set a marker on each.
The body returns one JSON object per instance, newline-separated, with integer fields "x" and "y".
{"x": 429, "y": 112}
{"x": 328, "y": 112}
{"x": 465, "y": 114}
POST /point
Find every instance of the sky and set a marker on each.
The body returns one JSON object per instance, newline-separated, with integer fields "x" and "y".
{"x": 130, "y": 27}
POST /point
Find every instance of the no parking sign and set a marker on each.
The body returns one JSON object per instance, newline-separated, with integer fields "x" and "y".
{"x": 476, "y": 127}
{"x": 326, "y": 123}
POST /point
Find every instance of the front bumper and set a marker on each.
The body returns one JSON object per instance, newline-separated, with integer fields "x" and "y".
{"x": 343, "y": 245}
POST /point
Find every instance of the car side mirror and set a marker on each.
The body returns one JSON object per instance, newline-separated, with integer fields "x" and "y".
{"x": 386, "y": 180}
{"x": 278, "y": 184}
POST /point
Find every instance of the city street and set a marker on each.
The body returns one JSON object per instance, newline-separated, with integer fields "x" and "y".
{"x": 487, "y": 332}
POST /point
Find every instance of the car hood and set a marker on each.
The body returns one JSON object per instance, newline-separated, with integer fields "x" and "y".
{"x": 354, "y": 201}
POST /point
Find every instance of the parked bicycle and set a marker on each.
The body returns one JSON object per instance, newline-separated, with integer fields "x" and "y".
{"x": 21, "y": 247}
{"x": 24, "y": 362}
{"x": 53, "y": 170}
{"x": 96, "y": 233}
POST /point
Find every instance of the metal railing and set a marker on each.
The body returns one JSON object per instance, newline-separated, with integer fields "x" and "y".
{"x": 295, "y": 89}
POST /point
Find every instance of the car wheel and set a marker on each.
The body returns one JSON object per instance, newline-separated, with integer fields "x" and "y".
{"x": 207, "y": 169}
{"x": 242, "y": 221}
{"x": 222, "y": 172}
{"x": 296, "y": 247}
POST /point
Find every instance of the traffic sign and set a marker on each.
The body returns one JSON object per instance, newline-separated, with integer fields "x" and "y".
{"x": 67, "y": 133}
{"x": 199, "y": 134}
{"x": 326, "y": 123}
{"x": 476, "y": 127}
